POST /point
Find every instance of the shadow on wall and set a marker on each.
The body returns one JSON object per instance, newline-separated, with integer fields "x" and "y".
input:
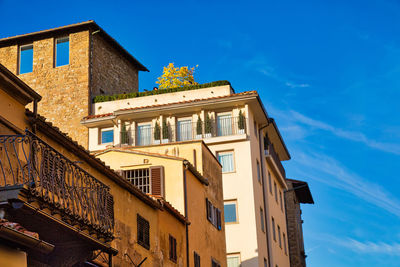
{"x": 253, "y": 262}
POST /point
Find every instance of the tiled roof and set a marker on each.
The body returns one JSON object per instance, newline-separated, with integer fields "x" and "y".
{"x": 168, "y": 206}
{"x": 136, "y": 151}
{"x": 173, "y": 103}
{"x": 18, "y": 227}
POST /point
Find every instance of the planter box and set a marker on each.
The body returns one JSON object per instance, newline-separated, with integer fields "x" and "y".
{"x": 199, "y": 136}
{"x": 157, "y": 142}
{"x": 207, "y": 135}
{"x": 241, "y": 131}
{"x": 164, "y": 141}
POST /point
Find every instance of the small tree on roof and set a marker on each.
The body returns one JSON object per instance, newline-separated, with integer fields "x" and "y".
{"x": 157, "y": 131}
{"x": 176, "y": 77}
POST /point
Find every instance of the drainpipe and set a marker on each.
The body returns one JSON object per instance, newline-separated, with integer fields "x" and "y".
{"x": 265, "y": 198}
{"x": 34, "y": 116}
{"x": 186, "y": 214}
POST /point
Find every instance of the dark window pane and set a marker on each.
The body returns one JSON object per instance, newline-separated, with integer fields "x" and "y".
{"x": 107, "y": 136}
{"x": 230, "y": 212}
{"x": 26, "y": 59}
{"x": 62, "y": 51}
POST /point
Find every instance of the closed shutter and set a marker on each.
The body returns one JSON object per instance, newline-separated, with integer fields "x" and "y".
{"x": 218, "y": 219}
{"x": 157, "y": 180}
{"x": 143, "y": 232}
{"x": 209, "y": 210}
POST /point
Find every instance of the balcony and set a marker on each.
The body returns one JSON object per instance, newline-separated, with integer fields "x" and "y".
{"x": 43, "y": 176}
{"x": 184, "y": 130}
{"x": 270, "y": 152}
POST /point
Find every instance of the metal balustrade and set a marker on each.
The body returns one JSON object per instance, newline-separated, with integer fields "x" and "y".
{"x": 50, "y": 177}
{"x": 270, "y": 151}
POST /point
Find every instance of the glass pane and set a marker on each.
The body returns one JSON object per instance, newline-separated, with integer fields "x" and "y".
{"x": 26, "y": 59}
{"x": 184, "y": 128}
{"x": 62, "y": 49}
{"x": 226, "y": 161}
{"x": 107, "y": 136}
{"x": 224, "y": 125}
{"x": 233, "y": 261}
{"x": 230, "y": 212}
{"x": 144, "y": 135}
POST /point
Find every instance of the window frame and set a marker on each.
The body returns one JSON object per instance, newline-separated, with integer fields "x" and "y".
{"x": 279, "y": 236}
{"x": 146, "y": 237}
{"x": 172, "y": 249}
{"x": 19, "y": 57}
{"x": 233, "y": 160}
{"x": 273, "y": 229}
{"x": 106, "y": 129}
{"x": 232, "y": 255}
{"x": 262, "y": 222}
{"x": 230, "y": 201}
{"x": 55, "y": 50}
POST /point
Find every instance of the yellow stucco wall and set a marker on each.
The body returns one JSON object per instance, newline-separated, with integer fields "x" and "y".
{"x": 12, "y": 257}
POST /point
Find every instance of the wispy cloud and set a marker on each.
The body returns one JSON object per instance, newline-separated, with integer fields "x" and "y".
{"x": 350, "y": 135}
{"x": 299, "y": 85}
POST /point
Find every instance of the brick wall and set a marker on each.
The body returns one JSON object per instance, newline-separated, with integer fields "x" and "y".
{"x": 111, "y": 72}
{"x": 65, "y": 89}
{"x": 295, "y": 230}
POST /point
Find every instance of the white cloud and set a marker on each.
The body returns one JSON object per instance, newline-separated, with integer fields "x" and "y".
{"x": 294, "y": 85}
{"x": 367, "y": 247}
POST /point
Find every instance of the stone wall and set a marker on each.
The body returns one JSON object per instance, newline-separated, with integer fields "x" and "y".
{"x": 295, "y": 230}
{"x": 65, "y": 89}
{"x": 111, "y": 72}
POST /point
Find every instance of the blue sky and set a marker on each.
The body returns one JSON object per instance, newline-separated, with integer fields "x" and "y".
{"x": 327, "y": 71}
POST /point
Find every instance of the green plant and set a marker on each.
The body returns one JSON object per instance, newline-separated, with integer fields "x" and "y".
{"x": 124, "y": 134}
{"x": 165, "y": 132}
{"x": 199, "y": 126}
{"x": 241, "y": 120}
{"x": 207, "y": 124}
{"x": 105, "y": 98}
{"x": 157, "y": 131}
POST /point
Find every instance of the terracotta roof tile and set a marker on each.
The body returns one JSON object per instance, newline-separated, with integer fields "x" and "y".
{"x": 173, "y": 103}
{"x": 18, "y": 227}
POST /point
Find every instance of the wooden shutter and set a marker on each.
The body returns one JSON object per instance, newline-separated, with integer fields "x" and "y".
{"x": 196, "y": 259}
{"x": 157, "y": 180}
{"x": 218, "y": 219}
{"x": 209, "y": 210}
{"x": 143, "y": 232}
{"x": 172, "y": 248}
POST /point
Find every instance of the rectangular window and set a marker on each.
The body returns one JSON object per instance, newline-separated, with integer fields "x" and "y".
{"x": 255, "y": 128}
{"x": 273, "y": 229}
{"x": 276, "y": 192}
{"x": 265, "y": 262}
{"x": 144, "y": 135}
{"x": 269, "y": 182}
{"x": 25, "y": 59}
{"x": 62, "y": 51}
{"x": 196, "y": 259}
{"x": 107, "y": 135}
{"x": 280, "y": 199}
{"x": 284, "y": 243}
{"x": 226, "y": 160}
{"x": 213, "y": 215}
{"x": 143, "y": 232}
{"x": 262, "y": 220}
{"x": 224, "y": 124}
{"x": 258, "y": 172}
{"x": 139, "y": 178}
{"x": 184, "y": 129}
{"x": 230, "y": 211}
{"x": 172, "y": 248}
{"x": 214, "y": 263}
{"x": 233, "y": 260}
{"x": 279, "y": 237}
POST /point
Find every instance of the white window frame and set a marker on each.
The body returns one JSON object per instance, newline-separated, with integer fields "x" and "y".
{"x": 105, "y": 130}
{"x": 233, "y": 159}
{"x": 234, "y": 255}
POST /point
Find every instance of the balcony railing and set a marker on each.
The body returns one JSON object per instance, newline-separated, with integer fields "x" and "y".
{"x": 184, "y": 131}
{"x": 51, "y": 178}
{"x": 270, "y": 151}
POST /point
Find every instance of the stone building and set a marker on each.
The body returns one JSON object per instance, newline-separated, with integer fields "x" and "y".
{"x": 68, "y": 66}
{"x": 298, "y": 192}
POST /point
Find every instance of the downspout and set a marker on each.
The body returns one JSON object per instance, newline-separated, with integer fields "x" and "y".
{"x": 34, "y": 116}
{"x": 262, "y": 159}
{"x": 186, "y": 213}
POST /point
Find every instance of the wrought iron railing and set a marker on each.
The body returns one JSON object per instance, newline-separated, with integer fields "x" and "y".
{"x": 185, "y": 130}
{"x": 50, "y": 177}
{"x": 270, "y": 151}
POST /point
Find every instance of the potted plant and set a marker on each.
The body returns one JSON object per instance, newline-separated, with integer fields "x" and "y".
{"x": 207, "y": 127}
{"x": 157, "y": 133}
{"x": 199, "y": 129}
{"x": 124, "y": 135}
{"x": 165, "y": 132}
{"x": 241, "y": 122}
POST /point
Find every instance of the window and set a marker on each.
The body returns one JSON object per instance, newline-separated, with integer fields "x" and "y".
{"x": 213, "y": 215}
{"x": 233, "y": 260}
{"x": 280, "y": 199}
{"x": 184, "y": 129}
{"x": 279, "y": 237}
{"x": 258, "y": 172}
{"x": 139, "y": 178}
{"x": 265, "y": 262}
{"x": 25, "y": 59}
{"x": 230, "y": 211}
{"x": 224, "y": 124}
{"x": 269, "y": 182}
{"x": 107, "y": 135}
{"x": 276, "y": 192}
{"x": 226, "y": 160}
{"x": 172, "y": 248}
{"x": 273, "y": 229}
{"x": 62, "y": 51}
{"x": 262, "y": 220}
{"x": 143, "y": 232}
{"x": 284, "y": 243}
{"x": 144, "y": 134}
{"x": 196, "y": 259}
{"x": 255, "y": 128}
{"x": 214, "y": 263}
